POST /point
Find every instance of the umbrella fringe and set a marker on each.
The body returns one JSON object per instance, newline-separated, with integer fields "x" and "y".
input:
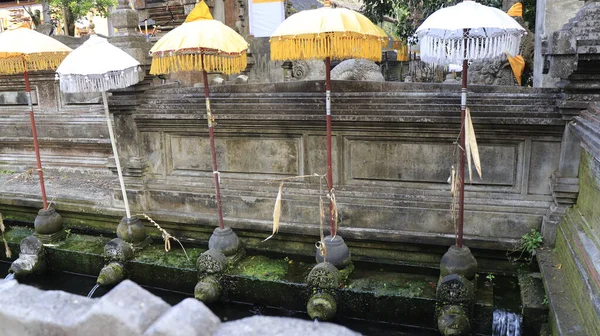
{"x": 99, "y": 83}
{"x": 439, "y": 50}
{"x": 193, "y": 62}
{"x": 334, "y": 45}
{"x": 14, "y": 64}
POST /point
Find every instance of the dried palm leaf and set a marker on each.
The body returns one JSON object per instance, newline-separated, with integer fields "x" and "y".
{"x": 472, "y": 150}
{"x": 276, "y": 212}
{"x": 7, "y": 250}
{"x": 335, "y": 212}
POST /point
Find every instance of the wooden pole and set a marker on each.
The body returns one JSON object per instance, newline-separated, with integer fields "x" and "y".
{"x": 113, "y": 142}
{"x": 462, "y": 148}
{"x": 36, "y": 144}
{"x": 213, "y": 152}
{"x": 329, "y": 160}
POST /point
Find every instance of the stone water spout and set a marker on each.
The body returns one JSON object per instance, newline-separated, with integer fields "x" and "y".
{"x": 31, "y": 258}
{"x": 117, "y": 252}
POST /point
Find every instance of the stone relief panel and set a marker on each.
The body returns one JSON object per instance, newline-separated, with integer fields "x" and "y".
{"x": 247, "y": 154}
{"x": 545, "y": 157}
{"x": 394, "y": 160}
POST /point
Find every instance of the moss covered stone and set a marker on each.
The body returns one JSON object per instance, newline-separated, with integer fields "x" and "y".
{"x": 392, "y": 284}
{"x": 261, "y": 268}
{"x": 176, "y": 258}
{"x": 324, "y": 275}
{"x": 322, "y": 306}
{"x": 208, "y": 289}
{"x": 111, "y": 274}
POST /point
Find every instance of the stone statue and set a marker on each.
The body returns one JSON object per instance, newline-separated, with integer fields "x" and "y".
{"x": 357, "y": 69}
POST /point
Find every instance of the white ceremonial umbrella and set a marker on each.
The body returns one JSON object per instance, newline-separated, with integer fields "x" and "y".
{"x": 467, "y": 32}
{"x": 98, "y": 66}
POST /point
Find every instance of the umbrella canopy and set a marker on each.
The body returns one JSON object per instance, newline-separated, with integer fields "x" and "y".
{"x": 200, "y": 43}
{"x": 97, "y": 66}
{"x": 338, "y": 33}
{"x": 489, "y": 34}
{"x": 458, "y": 34}
{"x": 23, "y": 49}
{"x": 207, "y": 45}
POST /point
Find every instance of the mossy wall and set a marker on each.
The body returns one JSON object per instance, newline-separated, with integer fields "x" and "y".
{"x": 577, "y": 243}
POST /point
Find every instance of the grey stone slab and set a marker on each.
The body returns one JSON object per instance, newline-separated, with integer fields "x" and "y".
{"x": 28, "y": 311}
{"x": 126, "y": 310}
{"x": 188, "y": 318}
{"x": 277, "y": 326}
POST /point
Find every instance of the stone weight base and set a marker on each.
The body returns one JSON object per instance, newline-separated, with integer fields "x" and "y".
{"x": 51, "y": 238}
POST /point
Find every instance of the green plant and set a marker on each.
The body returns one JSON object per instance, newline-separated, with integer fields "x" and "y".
{"x": 531, "y": 241}
{"x": 545, "y": 302}
{"x": 70, "y": 11}
{"x": 490, "y": 277}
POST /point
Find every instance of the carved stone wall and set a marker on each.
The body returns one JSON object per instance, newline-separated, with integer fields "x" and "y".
{"x": 392, "y": 157}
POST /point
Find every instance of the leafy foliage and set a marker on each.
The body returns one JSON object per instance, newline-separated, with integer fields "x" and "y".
{"x": 409, "y": 13}
{"x": 531, "y": 241}
{"x": 69, "y": 11}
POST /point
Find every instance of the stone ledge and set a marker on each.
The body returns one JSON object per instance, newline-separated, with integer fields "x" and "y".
{"x": 130, "y": 310}
{"x": 565, "y": 320}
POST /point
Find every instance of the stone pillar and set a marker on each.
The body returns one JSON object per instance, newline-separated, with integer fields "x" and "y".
{"x": 574, "y": 60}
{"x": 126, "y": 20}
{"x": 551, "y": 15}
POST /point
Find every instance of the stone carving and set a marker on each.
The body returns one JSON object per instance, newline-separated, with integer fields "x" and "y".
{"x": 240, "y": 23}
{"x": 308, "y": 70}
{"x": 357, "y": 69}
{"x": 324, "y": 275}
{"x": 211, "y": 262}
{"x": 500, "y": 72}
{"x": 490, "y": 73}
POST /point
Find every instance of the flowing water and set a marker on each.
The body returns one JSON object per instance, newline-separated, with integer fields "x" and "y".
{"x": 91, "y": 293}
{"x": 10, "y": 276}
{"x": 506, "y": 323}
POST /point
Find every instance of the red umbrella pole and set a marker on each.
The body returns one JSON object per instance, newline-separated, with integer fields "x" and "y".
{"x": 461, "y": 176}
{"x": 36, "y": 145}
{"x": 328, "y": 117}
{"x": 213, "y": 152}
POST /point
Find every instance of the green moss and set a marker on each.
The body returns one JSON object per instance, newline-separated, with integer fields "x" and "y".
{"x": 261, "y": 268}
{"x": 156, "y": 254}
{"x": 83, "y": 243}
{"x": 392, "y": 284}
{"x": 589, "y": 190}
{"x": 15, "y": 234}
{"x": 345, "y": 273}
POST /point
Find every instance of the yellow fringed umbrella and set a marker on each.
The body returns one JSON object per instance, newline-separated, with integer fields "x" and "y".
{"x": 327, "y": 33}
{"x": 23, "y": 50}
{"x": 201, "y": 44}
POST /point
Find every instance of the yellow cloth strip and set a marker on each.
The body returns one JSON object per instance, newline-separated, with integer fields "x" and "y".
{"x": 334, "y": 45}
{"x": 192, "y": 62}
{"x": 517, "y": 65}
{"x": 402, "y": 53}
{"x": 516, "y": 10}
{"x": 13, "y": 64}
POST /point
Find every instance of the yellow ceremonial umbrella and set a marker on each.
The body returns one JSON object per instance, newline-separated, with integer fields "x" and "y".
{"x": 327, "y": 33}
{"x": 23, "y": 50}
{"x": 201, "y": 44}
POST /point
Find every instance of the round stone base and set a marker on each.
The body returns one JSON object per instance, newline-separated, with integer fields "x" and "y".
{"x": 337, "y": 252}
{"x": 459, "y": 261}
{"x": 131, "y": 230}
{"x": 48, "y": 222}
{"x": 224, "y": 240}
